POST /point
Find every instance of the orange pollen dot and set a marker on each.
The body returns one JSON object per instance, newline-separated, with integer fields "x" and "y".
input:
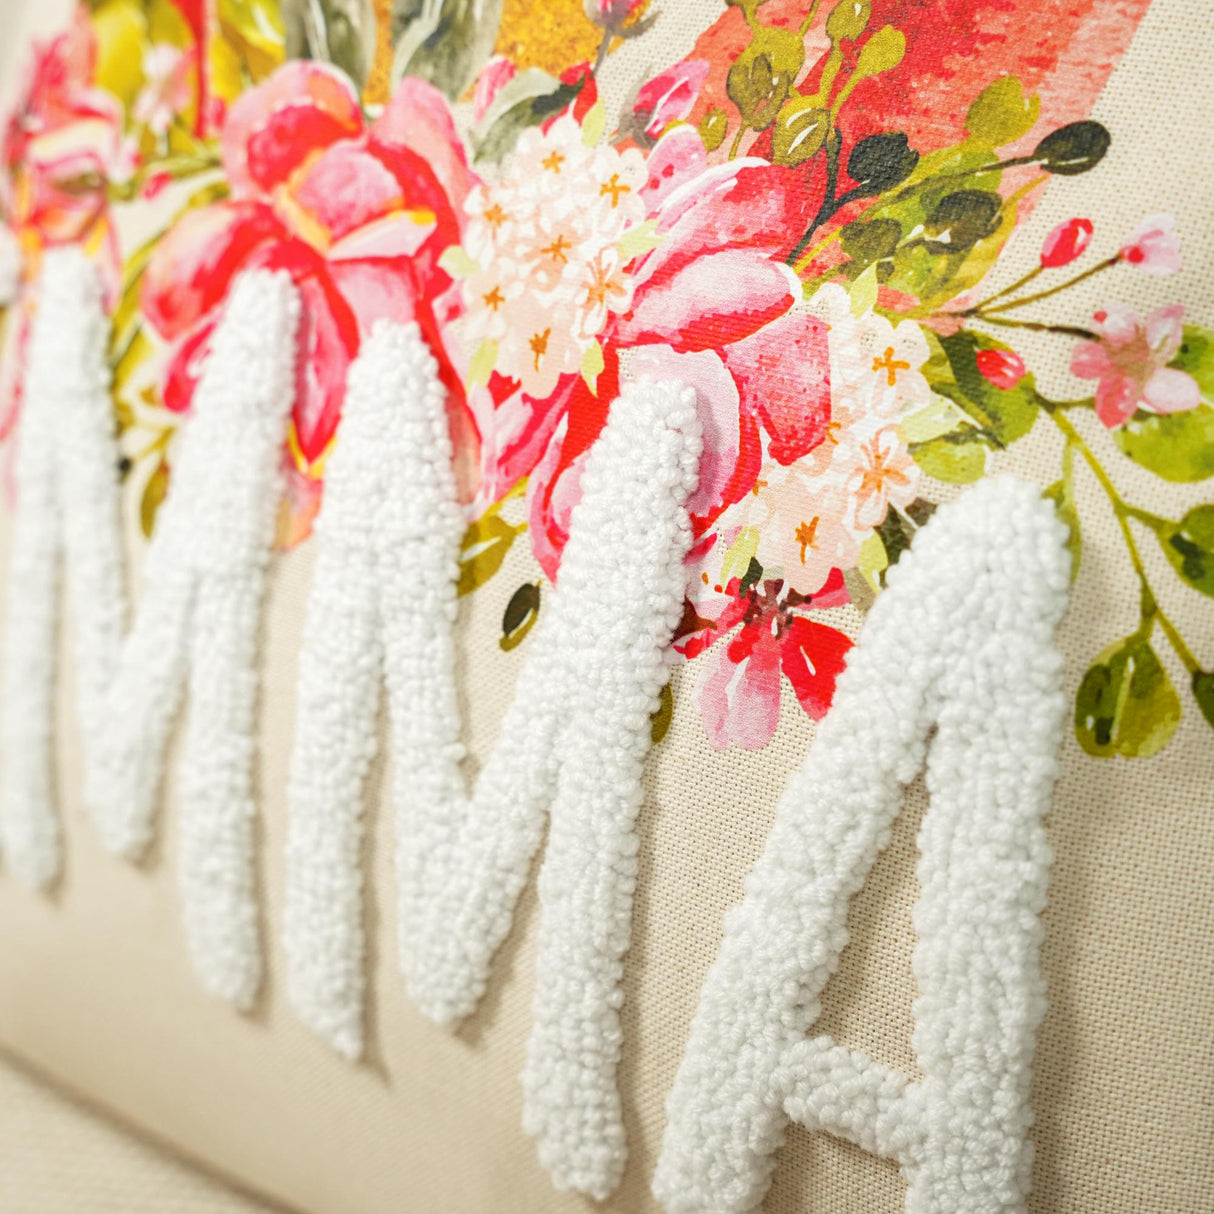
{"x": 759, "y": 484}
{"x": 704, "y": 578}
{"x": 615, "y": 187}
{"x": 890, "y": 365}
{"x": 494, "y": 299}
{"x": 556, "y": 250}
{"x": 804, "y": 535}
{"x": 553, "y": 161}
{"x": 495, "y": 216}
{"x": 539, "y": 346}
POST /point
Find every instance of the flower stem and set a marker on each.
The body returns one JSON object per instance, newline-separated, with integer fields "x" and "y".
{"x": 1035, "y": 326}
{"x": 1123, "y": 513}
{"x": 981, "y": 309}
{"x": 1020, "y": 282}
{"x": 604, "y": 47}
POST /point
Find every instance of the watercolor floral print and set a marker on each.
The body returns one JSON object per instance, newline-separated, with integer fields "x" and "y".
{"x": 799, "y": 219}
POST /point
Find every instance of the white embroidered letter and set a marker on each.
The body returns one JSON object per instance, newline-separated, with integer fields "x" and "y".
{"x": 573, "y": 741}
{"x": 203, "y": 577}
{"x": 962, "y": 640}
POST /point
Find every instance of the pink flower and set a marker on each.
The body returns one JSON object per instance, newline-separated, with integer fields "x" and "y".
{"x": 738, "y": 693}
{"x": 1001, "y": 368}
{"x": 1130, "y": 361}
{"x": 1154, "y": 246}
{"x": 669, "y": 96}
{"x": 359, "y": 216}
{"x": 1066, "y": 242}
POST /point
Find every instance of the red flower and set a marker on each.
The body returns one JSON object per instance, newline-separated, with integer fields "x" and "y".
{"x": 739, "y": 689}
{"x": 1066, "y": 242}
{"x": 1002, "y": 368}
{"x": 359, "y": 216}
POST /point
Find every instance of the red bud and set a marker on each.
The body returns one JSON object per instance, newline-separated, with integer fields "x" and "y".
{"x": 1066, "y": 242}
{"x": 1003, "y": 368}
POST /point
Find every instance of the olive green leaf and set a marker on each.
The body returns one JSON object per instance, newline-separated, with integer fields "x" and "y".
{"x": 1126, "y": 704}
{"x": 520, "y": 615}
{"x": 867, "y": 241}
{"x": 961, "y": 219}
{"x": 1074, "y": 148}
{"x": 848, "y": 19}
{"x": 659, "y": 723}
{"x": 1002, "y": 113}
{"x": 155, "y": 490}
{"x": 1062, "y": 494}
{"x": 1203, "y": 693}
{"x": 761, "y": 77}
{"x": 713, "y": 128}
{"x": 484, "y": 547}
{"x": 1189, "y": 546}
{"x": 534, "y": 98}
{"x": 959, "y": 458}
{"x": 882, "y": 52}
{"x": 801, "y": 129}
{"x": 1178, "y": 447}
{"x": 1196, "y": 356}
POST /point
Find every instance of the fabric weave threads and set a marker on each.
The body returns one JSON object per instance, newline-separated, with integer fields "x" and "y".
{"x": 574, "y": 739}
{"x": 962, "y": 641}
{"x": 203, "y": 578}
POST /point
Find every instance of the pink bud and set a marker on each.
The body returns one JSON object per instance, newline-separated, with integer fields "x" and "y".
{"x": 1066, "y": 242}
{"x": 670, "y": 96}
{"x": 1002, "y": 368}
{"x": 1153, "y": 246}
{"x": 494, "y": 75}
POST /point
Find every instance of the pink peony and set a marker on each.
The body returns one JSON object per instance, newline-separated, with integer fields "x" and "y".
{"x": 1130, "y": 361}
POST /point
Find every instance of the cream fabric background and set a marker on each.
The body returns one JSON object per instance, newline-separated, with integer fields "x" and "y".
{"x": 96, "y": 990}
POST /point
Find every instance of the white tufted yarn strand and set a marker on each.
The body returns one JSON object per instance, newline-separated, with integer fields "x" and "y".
{"x": 573, "y": 740}
{"x": 203, "y": 578}
{"x": 962, "y": 640}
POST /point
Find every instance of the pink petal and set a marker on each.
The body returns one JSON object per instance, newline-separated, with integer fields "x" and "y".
{"x": 192, "y": 266}
{"x": 712, "y": 301}
{"x": 1154, "y": 245}
{"x": 783, "y": 373}
{"x": 670, "y": 95}
{"x": 418, "y": 120}
{"x": 1090, "y": 360}
{"x": 717, "y": 406}
{"x": 1170, "y": 390}
{"x": 1165, "y": 331}
{"x": 740, "y": 701}
{"x": 813, "y": 656}
{"x": 676, "y": 158}
{"x": 494, "y": 75}
{"x": 345, "y": 188}
{"x": 1116, "y": 323}
{"x": 1116, "y": 399}
{"x": 270, "y": 129}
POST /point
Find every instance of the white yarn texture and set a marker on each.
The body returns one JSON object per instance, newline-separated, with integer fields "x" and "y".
{"x": 962, "y": 641}
{"x": 197, "y": 620}
{"x": 573, "y": 741}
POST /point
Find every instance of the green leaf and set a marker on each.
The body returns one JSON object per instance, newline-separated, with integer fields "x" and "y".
{"x": 1062, "y": 494}
{"x": 520, "y": 615}
{"x": 958, "y": 458}
{"x": 592, "y": 366}
{"x": 1203, "y": 693}
{"x": 882, "y": 52}
{"x": 1126, "y": 704}
{"x": 444, "y": 41}
{"x": 485, "y": 545}
{"x": 1002, "y": 113}
{"x": 1196, "y": 356}
{"x": 154, "y": 492}
{"x": 660, "y": 721}
{"x": 503, "y": 132}
{"x": 1004, "y": 414}
{"x": 1178, "y": 447}
{"x": 1189, "y": 546}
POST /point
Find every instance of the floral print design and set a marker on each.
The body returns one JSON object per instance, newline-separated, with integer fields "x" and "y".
{"x": 799, "y": 220}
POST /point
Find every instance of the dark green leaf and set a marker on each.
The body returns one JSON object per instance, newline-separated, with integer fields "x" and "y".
{"x": 1073, "y": 148}
{"x": 961, "y": 219}
{"x": 1176, "y": 446}
{"x": 880, "y": 162}
{"x": 1126, "y": 704}
{"x": 503, "y": 134}
{"x": 874, "y": 240}
{"x": 520, "y": 615}
{"x": 1189, "y": 546}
